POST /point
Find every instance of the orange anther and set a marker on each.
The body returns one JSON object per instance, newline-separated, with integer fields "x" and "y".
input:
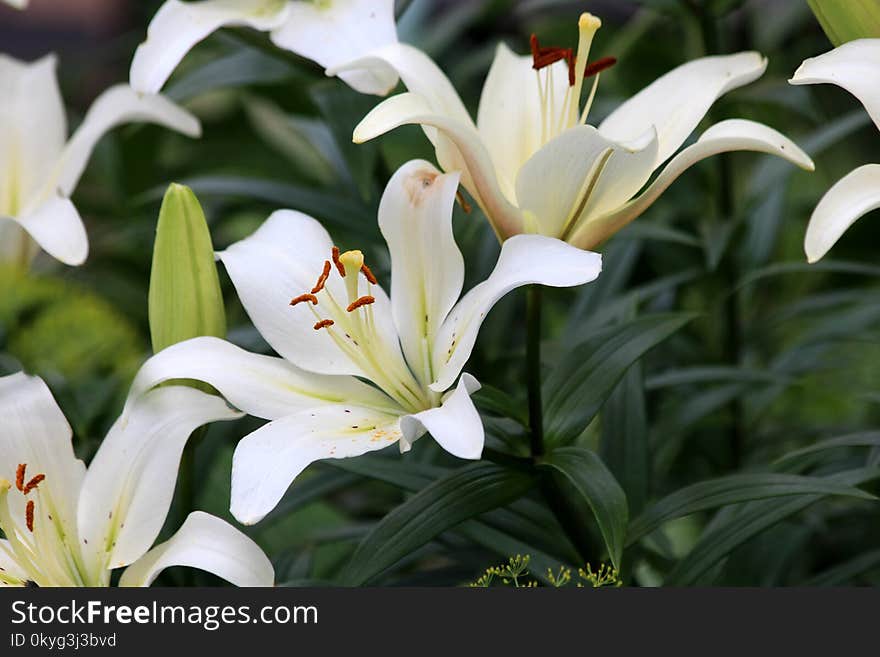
{"x": 369, "y": 275}
{"x": 335, "y": 256}
{"x": 363, "y": 301}
{"x": 325, "y": 274}
{"x": 33, "y": 483}
{"x": 19, "y": 476}
{"x": 29, "y": 516}
{"x": 324, "y": 323}
{"x": 304, "y": 297}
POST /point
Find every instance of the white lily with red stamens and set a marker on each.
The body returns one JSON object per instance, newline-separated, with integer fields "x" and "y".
{"x": 329, "y": 32}
{"x": 358, "y": 371}
{"x": 532, "y": 162}
{"x": 854, "y": 66}
{"x": 41, "y": 167}
{"x": 68, "y": 525}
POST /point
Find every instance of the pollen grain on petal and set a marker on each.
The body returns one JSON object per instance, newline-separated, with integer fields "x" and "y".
{"x": 29, "y": 515}
{"x": 324, "y": 323}
{"x": 304, "y": 297}
{"x": 363, "y": 301}
{"x": 322, "y": 279}
{"x": 33, "y": 483}
{"x": 368, "y": 274}
{"x": 19, "y": 476}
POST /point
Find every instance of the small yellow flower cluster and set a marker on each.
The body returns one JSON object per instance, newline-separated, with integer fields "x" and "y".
{"x": 513, "y": 573}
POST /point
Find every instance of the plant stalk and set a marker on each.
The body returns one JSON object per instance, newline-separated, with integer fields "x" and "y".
{"x": 533, "y": 369}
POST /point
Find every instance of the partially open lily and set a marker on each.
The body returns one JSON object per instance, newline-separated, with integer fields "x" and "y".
{"x": 532, "y": 162}
{"x": 854, "y": 66}
{"x": 329, "y": 32}
{"x": 359, "y": 370}
{"x": 40, "y": 167}
{"x": 68, "y": 525}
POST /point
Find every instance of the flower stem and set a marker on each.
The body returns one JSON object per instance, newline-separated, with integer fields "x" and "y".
{"x": 533, "y": 369}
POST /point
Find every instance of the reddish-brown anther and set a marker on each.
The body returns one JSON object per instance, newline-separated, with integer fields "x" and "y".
{"x": 325, "y": 274}
{"x": 19, "y": 476}
{"x": 33, "y": 483}
{"x": 599, "y": 65}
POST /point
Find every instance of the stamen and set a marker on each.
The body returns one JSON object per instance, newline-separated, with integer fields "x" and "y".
{"x": 599, "y": 65}
{"x": 335, "y": 256}
{"x": 363, "y": 301}
{"x": 368, "y": 274}
{"x": 19, "y": 476}
{"x": 304, "y": 297}
{"x": 462, "y": 201}
{"x": 29, "y": 516}
{"x": 324, "y": 323}
{"x": 325, "y": 274}
{"x": 33, "y": 483}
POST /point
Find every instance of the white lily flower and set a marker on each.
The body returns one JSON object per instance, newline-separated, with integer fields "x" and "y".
{"x": 329, "y": 32}
{"x": 358, "y": 371}
{"x": 854, "y": 66}
{"x": 41, "y": 167}
{"x": 68, "y": 525}
{"x": 532, "y": 162}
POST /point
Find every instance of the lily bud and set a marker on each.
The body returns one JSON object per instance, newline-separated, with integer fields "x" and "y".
{"x": 847, "y": 21}
{"x": 185, "y": 300}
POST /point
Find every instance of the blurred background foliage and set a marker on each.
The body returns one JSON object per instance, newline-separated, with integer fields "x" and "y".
{"x": 776, "y": 356}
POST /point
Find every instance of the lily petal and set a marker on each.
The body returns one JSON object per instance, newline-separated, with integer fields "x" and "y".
{"x": 854, "y": 66}
{"x": 269, "y": 459}
{"x": 849, "y": 199}
{"x": 677, "y": 101}
{"x": 57, "y": 227}
{"x": 524, "y": 259}
{"x": 35, "y": 433}
{"x": 282, "y": 260}
{"x": 334, "y": 33}
{"x": 725, "y": 136}
{"x": 462, "y": 150}
{"x": 262, "y": 386}
{"x": 178, "y": 26}
{"x": 427, "y": 269}
{"x": 9, "y": 568}
{"x": 130, "y": 482}
{"x": 210, "y": 544}
{"x": 33, "y": 127}
{"x": 455, "y": 425}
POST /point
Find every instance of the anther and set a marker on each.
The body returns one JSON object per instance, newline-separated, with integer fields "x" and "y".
{"x": 304, "y": 297}
{"x": 33, "y": 483}
{"x": 368, "y": 274}
{"x": 543, "y": 57}
{"x": 19, "y": 476}
{"x": 462, "y": 201}
{"x": 363, "y": 301}
{"x": 324, "y": 323}
{"x": 599, "y": 65}
{"x": 335, "y": 256}
{"x": 325, "y": 274}
{"x": 29, "y": 516}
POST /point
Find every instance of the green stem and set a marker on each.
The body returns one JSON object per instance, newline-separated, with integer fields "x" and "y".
{"x": 533, "y": 369}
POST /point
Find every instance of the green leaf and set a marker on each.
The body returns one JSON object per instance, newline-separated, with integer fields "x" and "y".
{"x": 597, "y": 487}
{"x": 732, "y": 489}
{"x": 447, "y": 502}
{"x": 580, "y": 384}
{"x": 844, "y": 573}
{"x": 849, "y": 20}
{"x": 185, "y": 299}
{"x": 753, "y": 518}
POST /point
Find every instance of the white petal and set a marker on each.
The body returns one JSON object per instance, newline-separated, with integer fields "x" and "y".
{"x": 462, "y": 150}
{"x": 116, "y": 106}
{"x": 18, "y": 4}
{"x": 269, "y": 459}
{"x": 35, "y": 433}
{"x": 427, "y": 269}
{"x": 9, "y": 567}
{"x": 33, "y": 128}
{"x": 849, "y": 199}
{"x": 57, "y": 227}
{"x": 677, "y": 101}
{"x": 455, "y": 425}
{"x": 262, "y": 386}
{"x": 334, "y": 33}
{"x": 210, "y": 544}
{"x": 178, "y": 26}
{"x": 725, "y": 136}
{"x": 283, "y": 260}
{"x": 581, "y": 173}
{"x": 130, "y": 482}
{"x": 510, "y": 115}
{"x": 854, "y": 66}
{"x": 524, "y": 259}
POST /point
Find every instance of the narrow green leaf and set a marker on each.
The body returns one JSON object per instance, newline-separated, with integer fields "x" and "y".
{"x": 446, "y": 503}
{"x": 861, "y": 439}
{"x": 185, "y": 299}
{"x": 847, "y": 20}
{"x": 733, "y": 489}
{"x": 597, "y": 487}
{"x": 844, "y": 573}
{"x": 580, "y": 384}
